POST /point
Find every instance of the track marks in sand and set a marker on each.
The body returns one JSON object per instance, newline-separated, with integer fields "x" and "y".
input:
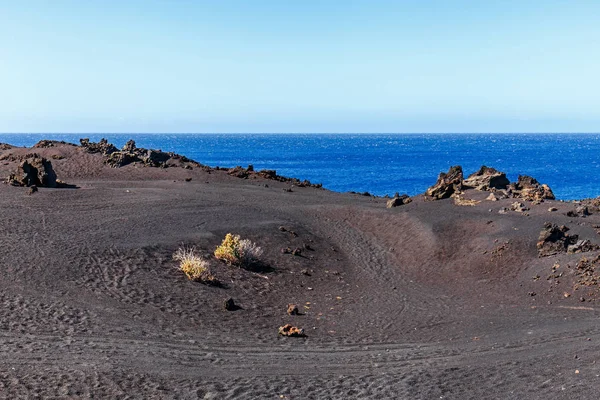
{"x": 26, "y": 315}
{"x": 130, "y": 276}
{"x": 389, "y": 299}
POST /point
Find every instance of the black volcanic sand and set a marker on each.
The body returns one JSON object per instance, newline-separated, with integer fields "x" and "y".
{"x": 425, "y": 301}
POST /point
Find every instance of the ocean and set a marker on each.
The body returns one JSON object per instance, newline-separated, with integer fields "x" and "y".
{"x": 382, "y": 163}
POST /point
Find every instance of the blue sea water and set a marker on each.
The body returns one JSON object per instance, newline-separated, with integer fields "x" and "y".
{"x": 382, "y": 163}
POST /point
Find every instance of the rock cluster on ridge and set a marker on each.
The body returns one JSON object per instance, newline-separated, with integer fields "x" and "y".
{"x": 488, "y": 179}
{"x": 131, "y": 154}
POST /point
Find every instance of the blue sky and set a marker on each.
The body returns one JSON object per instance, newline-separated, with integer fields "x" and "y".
{"x": 304, "y": 66}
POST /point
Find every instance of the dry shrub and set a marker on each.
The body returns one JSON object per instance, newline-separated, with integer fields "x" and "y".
{"x": 193, "y": 265}
{"x": 236, "y": 251}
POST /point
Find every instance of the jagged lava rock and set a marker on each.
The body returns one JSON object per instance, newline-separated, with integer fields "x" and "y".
{"x": 45, "y": 144}
{"x": 34, "y": 171}
{"x": 487, "y": 178}
{"x": 101, "y": 147}
{"x": 553, "y": 240}
{"x": 530, "y": 189}
{"x": 447, "y": 184}
{"x": 582, "y": 246}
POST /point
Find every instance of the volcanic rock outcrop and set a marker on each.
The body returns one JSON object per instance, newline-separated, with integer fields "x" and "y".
{"x": 34, "y": 171}
{"x": 130, "y": 153}
{"x": 487, "y": 178}
{"x": 101, "y": 147}
{"x": 528, "y": 188}
{"x": 553, "y": 240}
{"x": 447, "y": 184}
{"x": 45, "y": 144}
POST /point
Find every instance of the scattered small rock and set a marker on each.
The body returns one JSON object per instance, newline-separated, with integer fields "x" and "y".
{"x": 519, "y": 207}
{"x": 229, "y": 304}
{"x": 460, "y": 201}
{"x": 292, "y": 309}
{"x": 492, "y": 197}
{"x": 291, "y": 331}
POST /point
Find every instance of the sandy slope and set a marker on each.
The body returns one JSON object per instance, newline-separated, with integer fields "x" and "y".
{"x": 428, "y": 300}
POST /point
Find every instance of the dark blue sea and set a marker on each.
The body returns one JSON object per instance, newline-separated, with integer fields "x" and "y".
{"x": 382, "y": 163}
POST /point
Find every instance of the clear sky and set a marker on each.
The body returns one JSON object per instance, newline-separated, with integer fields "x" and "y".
{"x": 299, "y": 66}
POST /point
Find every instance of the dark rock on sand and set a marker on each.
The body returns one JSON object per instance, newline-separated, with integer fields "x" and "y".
{"x": 398, "y": 201}
{"x": 582, "y": 246}
{"x": 580, "y": 211}
{"x": 553, "y": 240}
{"x": 229, "y": 304}
{"x": 34, "y": 171}
{"x": 528, "y": 188}
{"x": 292, "y": 309}
{"x": 447, "y": 184}
{"x": 487, "y": 178}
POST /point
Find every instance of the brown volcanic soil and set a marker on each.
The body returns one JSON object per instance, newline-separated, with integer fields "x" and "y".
{"x": 428, "y": 300}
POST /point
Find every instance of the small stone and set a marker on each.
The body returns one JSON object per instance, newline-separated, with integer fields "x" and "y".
{"x": 292, "y": 309}
{"x": 291, "y": 331}
{"x": 229, "y": 304}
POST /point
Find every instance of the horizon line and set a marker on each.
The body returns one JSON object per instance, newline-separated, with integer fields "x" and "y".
{"x": 299, "y": 133}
